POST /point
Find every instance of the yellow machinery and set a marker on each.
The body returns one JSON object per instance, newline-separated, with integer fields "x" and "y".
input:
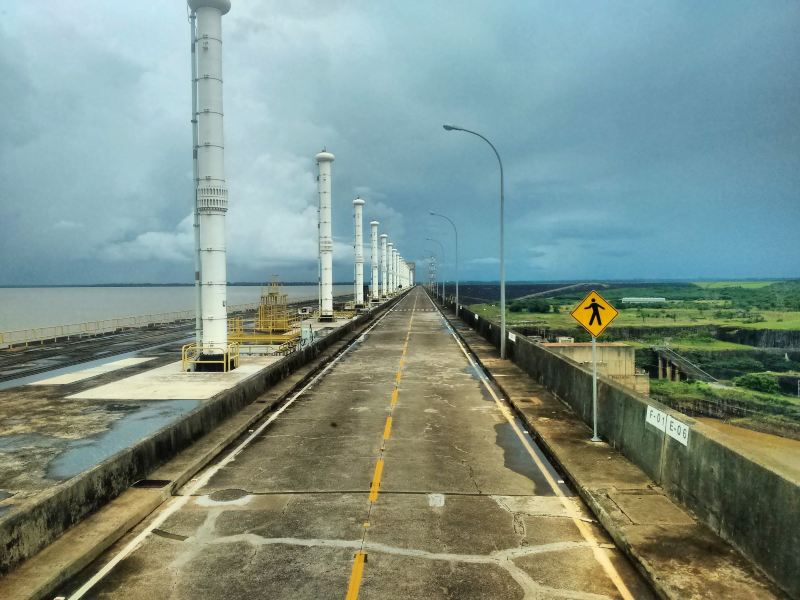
{"x": 274, "y": 322}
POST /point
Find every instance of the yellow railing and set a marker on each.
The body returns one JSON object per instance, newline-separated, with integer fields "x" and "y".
{"x": 192, "y": 354}
{"x": 9, "y": 339}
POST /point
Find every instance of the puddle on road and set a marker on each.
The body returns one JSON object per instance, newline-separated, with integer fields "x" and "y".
{"x": 517, "y": 459}
{"x": 141, "y": 420}
{"x": 469, "y": 370}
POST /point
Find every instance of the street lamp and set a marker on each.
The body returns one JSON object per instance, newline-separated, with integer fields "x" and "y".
{"x": 435, "y": 214}
{"x": 433, "y": 283}
{"x": 502, "y": 241}
{"x": 441, "y": 245}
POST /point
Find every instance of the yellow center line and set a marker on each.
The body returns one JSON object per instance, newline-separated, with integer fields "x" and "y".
{"x": 355, "y": 576}
{"x": 387, "y": 430}
{"x": 376, "y": 481}
{"x": 358, "y": 564}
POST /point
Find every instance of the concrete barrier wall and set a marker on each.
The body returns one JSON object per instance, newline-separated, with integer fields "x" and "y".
{"x": 746, "y": 503}
{"x": 24, "y": 533}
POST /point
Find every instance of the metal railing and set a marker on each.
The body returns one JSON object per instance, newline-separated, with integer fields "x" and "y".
{"x": 193, "y": 354}
{"x": 24, "y": 337}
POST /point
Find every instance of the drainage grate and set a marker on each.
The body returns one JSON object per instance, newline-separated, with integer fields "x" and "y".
{"x": 151, "y": 483}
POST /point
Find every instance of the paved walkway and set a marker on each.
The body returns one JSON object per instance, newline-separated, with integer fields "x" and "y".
{"x": 398, "y": 473}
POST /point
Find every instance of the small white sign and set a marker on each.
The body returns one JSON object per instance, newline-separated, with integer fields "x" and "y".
{"x": 656, "y": 418}
{"x": 476, "y": 318}
{"x": 512, "y": 337}
{"x": 678, "y": 431}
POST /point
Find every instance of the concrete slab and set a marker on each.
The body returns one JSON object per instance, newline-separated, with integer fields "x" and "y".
{"x": 170, "y": 382}
{"x": 39, "y": 577}
{"x": 90, "y": 372}
{"x": 286, "y": 516}
{"x": 54, "y": 439}
{"x": 680, "y": 557}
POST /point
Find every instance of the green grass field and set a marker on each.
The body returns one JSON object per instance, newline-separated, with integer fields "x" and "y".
{"x": 715, "y": 285}
{"x": 649, "y": 317}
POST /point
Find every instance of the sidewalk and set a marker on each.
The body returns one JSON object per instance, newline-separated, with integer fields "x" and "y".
{"x": 681, "y": 557}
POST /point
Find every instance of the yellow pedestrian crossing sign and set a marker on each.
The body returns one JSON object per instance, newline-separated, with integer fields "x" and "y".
{"x": 594, "y": 313}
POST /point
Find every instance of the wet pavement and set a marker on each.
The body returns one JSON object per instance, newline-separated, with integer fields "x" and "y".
{"x": 397, "y": 473}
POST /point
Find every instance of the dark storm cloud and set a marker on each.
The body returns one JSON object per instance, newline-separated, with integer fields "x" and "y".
{"x": 648, "y": 139}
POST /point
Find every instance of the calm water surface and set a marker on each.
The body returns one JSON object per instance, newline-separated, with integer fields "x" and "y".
{"x": 24, "y": 308}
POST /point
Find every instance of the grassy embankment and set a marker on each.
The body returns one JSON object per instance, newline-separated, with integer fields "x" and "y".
{"x": 695, "y": 308}
{"x": 746, "y": 305}
{"x": 778, "y": 414}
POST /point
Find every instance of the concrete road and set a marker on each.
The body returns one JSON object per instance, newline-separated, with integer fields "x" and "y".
{"x": 398, "y": 474}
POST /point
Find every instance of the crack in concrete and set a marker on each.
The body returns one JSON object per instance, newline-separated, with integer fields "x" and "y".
{"x": 504, "y": 559}
{"x": 472, "y": 476}
{"x": 500, "y": 558}
{"x": 504, "y": 503}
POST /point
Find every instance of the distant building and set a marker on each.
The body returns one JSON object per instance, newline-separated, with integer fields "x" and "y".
{"x": 643, "y": 300}
{"x": 614, "y": 359}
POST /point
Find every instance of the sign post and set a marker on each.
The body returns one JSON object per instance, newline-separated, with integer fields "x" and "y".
{"x": 600, "y": 315}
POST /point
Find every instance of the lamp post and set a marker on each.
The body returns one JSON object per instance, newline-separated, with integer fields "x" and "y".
{"x": 441, "y": 245}
{"x": 433, "y": 284}
{"x": 502, "y": 240}
{"x": 455, "y": 230}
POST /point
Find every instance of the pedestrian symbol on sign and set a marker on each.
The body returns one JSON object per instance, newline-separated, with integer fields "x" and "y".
{"x": 595, "y": 323}
{"x": 594, "y": 313}
{"x": 594, "y": 306}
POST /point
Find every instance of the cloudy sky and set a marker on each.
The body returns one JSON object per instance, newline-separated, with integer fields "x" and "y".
{"x": 640, "y": 139}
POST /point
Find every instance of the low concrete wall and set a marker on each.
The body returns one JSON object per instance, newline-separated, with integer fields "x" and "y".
{"x": 746, "y": 503}
{"x": 25, "y": 532}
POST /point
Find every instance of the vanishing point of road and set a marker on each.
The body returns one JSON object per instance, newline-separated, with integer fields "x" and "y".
{"x": 399, "y": 472}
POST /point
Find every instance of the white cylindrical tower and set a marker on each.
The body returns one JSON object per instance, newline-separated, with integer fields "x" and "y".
{"x": 212, "y": 192}
{"x": 397, "y": 273}
{"x": 394, "y": 271}
{"x": 374, "y": 291}
{"x": 324, "y": 160}
{"x": 384, "y": 265}
{"x": 390, "y": 267}
{"x": 358, "y": 209}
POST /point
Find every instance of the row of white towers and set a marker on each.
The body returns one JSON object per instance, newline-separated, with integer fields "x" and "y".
{"x": 388, "y": 269}
{"x": 211, "y": 203}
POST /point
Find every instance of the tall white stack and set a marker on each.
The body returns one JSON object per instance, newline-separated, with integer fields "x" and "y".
{"x": 384, "y": 265}
{"x": 400, "y": 278}
{"x": 375, "y": 292}
{"x": 394, "y": 270}
{"x": 324, "y": 160}
{"x": 390, "y": 266}
{"x": 212, "y": 193}
{"x": 358, "y": 210}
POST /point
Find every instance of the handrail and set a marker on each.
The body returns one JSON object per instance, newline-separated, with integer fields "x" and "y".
{"x": 9, "y": 339}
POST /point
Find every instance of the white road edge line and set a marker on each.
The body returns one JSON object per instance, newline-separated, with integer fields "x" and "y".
{"x": 179, "y": 502}
{"x": 597, "y": 551}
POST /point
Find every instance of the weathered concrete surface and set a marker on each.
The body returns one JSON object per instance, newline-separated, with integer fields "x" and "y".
{"x": 61, "y": 457}
{"x": 38, "y": 577}
{"x": 682, "y": 557}
{"x": 460, "y": 510}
